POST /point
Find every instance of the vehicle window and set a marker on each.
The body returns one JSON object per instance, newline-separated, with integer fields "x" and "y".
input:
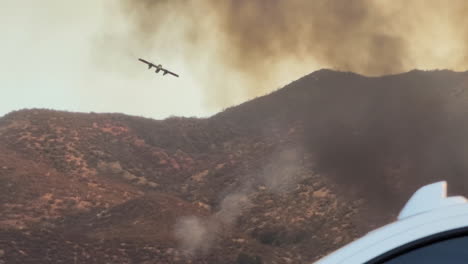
{"x": 453, "y": 251}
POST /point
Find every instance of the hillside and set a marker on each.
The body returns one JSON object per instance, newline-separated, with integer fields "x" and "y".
{"x": 283, "y": 178}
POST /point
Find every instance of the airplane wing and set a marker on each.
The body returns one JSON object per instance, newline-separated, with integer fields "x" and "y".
{"x": 144, "y": 61}
{"x": 158, "y": 68}
{"x": 167, "y": 71}
{"x": 147, "y": 62}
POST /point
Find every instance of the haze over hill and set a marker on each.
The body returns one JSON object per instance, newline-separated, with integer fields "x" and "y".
{"x": 283, "y": 178}
{"x": 84, "y": 57}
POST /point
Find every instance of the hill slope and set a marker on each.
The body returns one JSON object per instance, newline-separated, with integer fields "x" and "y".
{"x": 284, "y": 178}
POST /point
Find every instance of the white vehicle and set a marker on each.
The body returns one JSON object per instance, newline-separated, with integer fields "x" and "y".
{"x": 431, "y": 228}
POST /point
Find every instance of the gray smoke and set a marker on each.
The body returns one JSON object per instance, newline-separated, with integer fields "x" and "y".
{"x": 194, "y": 234}
{"x": 280, "y": 175}
{"x": 388, "y": 136}
{"x": 282, "y": 172}
{"x": 252, "y": 44}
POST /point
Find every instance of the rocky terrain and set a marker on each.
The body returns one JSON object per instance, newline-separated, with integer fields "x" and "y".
{"x": 284, "y": 178}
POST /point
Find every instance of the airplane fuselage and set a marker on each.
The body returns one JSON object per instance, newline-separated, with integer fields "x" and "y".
{"x": 158, "y": 68}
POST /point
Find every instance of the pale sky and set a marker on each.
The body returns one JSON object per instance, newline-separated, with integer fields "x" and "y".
{"x": 48, "y": 60}
{"x": 82, "y": 55}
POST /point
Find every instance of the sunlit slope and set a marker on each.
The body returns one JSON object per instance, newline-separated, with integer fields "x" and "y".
{"x": 286, "y": 177}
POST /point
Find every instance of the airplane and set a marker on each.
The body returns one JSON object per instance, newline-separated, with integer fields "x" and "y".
{"x": 158, "y": 68}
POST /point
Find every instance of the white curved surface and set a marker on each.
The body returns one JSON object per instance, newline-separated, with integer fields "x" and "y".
{"x": 428, "y": 198}
{"x": 417, "y": 224}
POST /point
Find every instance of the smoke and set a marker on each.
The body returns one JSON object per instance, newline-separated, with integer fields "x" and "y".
{"x": 243, "y": 48}
{"x": 194, "y": 235}
{"x": 232, "y": 207}
{"x": 282, "y": 172}
{"x": 226, "y": 51}
{"x": 197, "y": 235}
{"x": 387, "y": 136}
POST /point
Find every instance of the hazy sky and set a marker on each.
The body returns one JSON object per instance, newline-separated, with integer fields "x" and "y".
{"x": 54, "y": 55}
{"x": 47, "y": 51}
{"x": 82, "y": 55}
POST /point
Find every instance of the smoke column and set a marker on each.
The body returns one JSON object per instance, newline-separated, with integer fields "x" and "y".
{"x": 244, "y": 48}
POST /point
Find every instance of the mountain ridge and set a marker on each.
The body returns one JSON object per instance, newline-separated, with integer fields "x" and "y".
{"x": 283, "y": 178}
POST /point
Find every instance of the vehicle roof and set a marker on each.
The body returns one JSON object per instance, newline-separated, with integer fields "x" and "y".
{"x": 428, "y": 212}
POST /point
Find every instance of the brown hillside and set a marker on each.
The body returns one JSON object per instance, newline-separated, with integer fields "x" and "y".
{"x": 284, "y": 178}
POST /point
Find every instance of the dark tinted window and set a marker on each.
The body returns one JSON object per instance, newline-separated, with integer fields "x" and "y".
{"x": 453, "y": 251}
